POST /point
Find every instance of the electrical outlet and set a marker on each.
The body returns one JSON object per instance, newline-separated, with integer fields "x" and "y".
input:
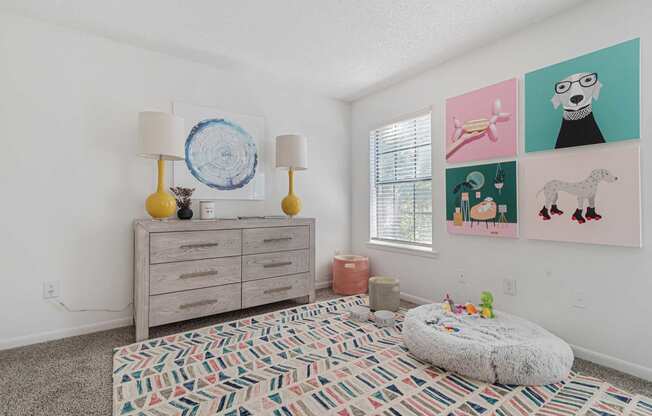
{"x": 509, "y": 286}
{"x": 579, "y": 300}
{"x": 51, "y": 289}
{"x": 461, "y": 278}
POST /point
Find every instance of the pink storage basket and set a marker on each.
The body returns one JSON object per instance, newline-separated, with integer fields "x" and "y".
{"x": 350, "y": 274}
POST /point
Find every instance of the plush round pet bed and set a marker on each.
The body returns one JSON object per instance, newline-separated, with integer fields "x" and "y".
{"x": 507, "y": 349}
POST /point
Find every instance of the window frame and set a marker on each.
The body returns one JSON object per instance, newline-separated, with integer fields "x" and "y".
{"x": 390, "y": 244}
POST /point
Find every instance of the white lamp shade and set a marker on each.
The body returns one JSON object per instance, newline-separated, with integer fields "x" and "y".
{"x": 162, "y": 136}
{"x": 292, "y": 152}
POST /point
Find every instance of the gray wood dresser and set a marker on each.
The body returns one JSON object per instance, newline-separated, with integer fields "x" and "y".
{"x": 193, "y": 268}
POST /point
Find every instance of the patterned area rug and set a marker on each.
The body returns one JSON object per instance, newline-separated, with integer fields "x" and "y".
{"x": 311, "y": 360}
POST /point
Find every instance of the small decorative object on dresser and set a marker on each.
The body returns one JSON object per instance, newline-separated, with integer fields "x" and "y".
{"x": 188, "y": 269}
{"x": 291, "y": 153}
{"x": 183, "y": 196}
{"x": 207, "y": 210}
{"x": 162, "y": 138}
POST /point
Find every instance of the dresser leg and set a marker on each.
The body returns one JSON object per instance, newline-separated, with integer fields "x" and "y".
{"x": 142, "y": 333}
{"x": 309, "y": 298}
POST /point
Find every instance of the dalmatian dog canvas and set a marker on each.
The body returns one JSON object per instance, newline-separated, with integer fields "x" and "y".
{"x": 575, "y": 94}
{"x": 585, "y": 191}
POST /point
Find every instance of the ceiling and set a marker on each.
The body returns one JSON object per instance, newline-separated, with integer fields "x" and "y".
{"x": 340, "y": 48}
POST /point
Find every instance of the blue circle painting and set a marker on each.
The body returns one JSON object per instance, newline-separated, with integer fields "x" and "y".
{"x": 221, "y": 154}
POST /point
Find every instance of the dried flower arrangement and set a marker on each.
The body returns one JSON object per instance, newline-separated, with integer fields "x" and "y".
{"x": 183, "y": 196}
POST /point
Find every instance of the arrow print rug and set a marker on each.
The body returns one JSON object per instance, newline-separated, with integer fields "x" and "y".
{"x": 312, "y": 360}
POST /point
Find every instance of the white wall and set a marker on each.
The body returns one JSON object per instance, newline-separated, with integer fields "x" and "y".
{"x": 72, "y": 184}
{"x": 615, "y": 328}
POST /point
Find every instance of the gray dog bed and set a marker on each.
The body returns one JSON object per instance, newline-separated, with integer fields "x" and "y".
{"x": 507, "y": 349}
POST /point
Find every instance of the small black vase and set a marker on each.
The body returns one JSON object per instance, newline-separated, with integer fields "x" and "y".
{"x": 184, "y": 213}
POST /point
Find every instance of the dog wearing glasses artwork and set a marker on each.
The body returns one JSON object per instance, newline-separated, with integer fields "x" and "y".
{"x": 575, "y": 94}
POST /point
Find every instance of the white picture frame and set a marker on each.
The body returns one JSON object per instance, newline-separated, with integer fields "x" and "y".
{"x": 254, "y": 125}
{"x": 610, "y": 172}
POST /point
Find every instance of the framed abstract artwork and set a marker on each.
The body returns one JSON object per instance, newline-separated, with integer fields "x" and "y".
{"x": 481, "y": 124}
{"x": 591, "y": 99}
{"x": 223, "y": 154}
{"x": 588, "y": 196}
{"x": 482, "y": 200}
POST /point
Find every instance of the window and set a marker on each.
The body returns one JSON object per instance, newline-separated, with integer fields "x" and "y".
{"x": 401, "y": 182}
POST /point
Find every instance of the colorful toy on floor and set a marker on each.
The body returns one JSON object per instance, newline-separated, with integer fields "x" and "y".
{"x": 449, "y": 328}
{"x": 487, "y": 305}
{"x": 442, "y": 326}
{"x": 471, "y": 309}
{"x": 448, "y": 304}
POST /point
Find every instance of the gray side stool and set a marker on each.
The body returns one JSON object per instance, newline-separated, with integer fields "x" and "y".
{"x": 384, "y": 294}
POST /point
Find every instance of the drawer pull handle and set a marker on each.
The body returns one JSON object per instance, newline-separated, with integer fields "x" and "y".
{"x": 200, "y": 303}
{"x": 279, "y": 264}
{"x": 198, "y": 274}
{"x": 273, "y": 240}
{"x": 205, "y": 245}
{"x": 278, "y": 289}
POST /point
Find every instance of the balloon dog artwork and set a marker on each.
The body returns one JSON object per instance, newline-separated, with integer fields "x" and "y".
{"x": 591, "y": 196}
{"x": 481, "y": 124}
{"x": 591, "y": 99}
{"x": 481, "y": 200}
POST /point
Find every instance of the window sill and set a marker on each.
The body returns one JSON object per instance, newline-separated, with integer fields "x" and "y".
{"x": 403, "y": 249}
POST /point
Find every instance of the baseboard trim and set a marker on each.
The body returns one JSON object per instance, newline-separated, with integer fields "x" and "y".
{"x": 580, "y": 352}
{"x": 86, "y": 329}
{"x": 612, "y": 362}
{"x": 322, "y": 284}
{"x": 414, "y": 299}
{"x": 64, "y": 333}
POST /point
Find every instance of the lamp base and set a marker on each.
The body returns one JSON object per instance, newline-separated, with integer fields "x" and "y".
{"x": 160, "y": 205}
{"x": 291, "y": 205}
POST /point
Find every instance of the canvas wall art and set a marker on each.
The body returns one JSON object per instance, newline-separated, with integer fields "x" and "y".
{"x": 588, "y": 196}
{"x": 223, "y": 154}
{"x": 594, "y": 98}
{"x": 481, "y": 124}
{"x": 482, "y": 200}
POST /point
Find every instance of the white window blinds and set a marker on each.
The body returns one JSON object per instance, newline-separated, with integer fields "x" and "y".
{"x": 401, "y": 181}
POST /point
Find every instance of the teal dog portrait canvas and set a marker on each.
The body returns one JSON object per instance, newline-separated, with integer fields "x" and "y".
{"x": 591, "y": 99}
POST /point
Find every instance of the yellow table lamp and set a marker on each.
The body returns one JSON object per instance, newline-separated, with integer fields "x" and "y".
{"x": 162, "y": 137}
{"x": 291, "y": 153}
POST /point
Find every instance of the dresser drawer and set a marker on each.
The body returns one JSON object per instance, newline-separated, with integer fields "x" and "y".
{"x": 267, "y": 240}
{"x": 191, "y": 304}
{"x": 262, "y": 266}
{"x": 259, "y": 292}
{"x": 194, "y": 245}
{"x": 195, "y": 274}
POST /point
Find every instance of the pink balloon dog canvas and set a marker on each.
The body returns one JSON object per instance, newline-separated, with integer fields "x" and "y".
{"x": 481, "y": 124}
